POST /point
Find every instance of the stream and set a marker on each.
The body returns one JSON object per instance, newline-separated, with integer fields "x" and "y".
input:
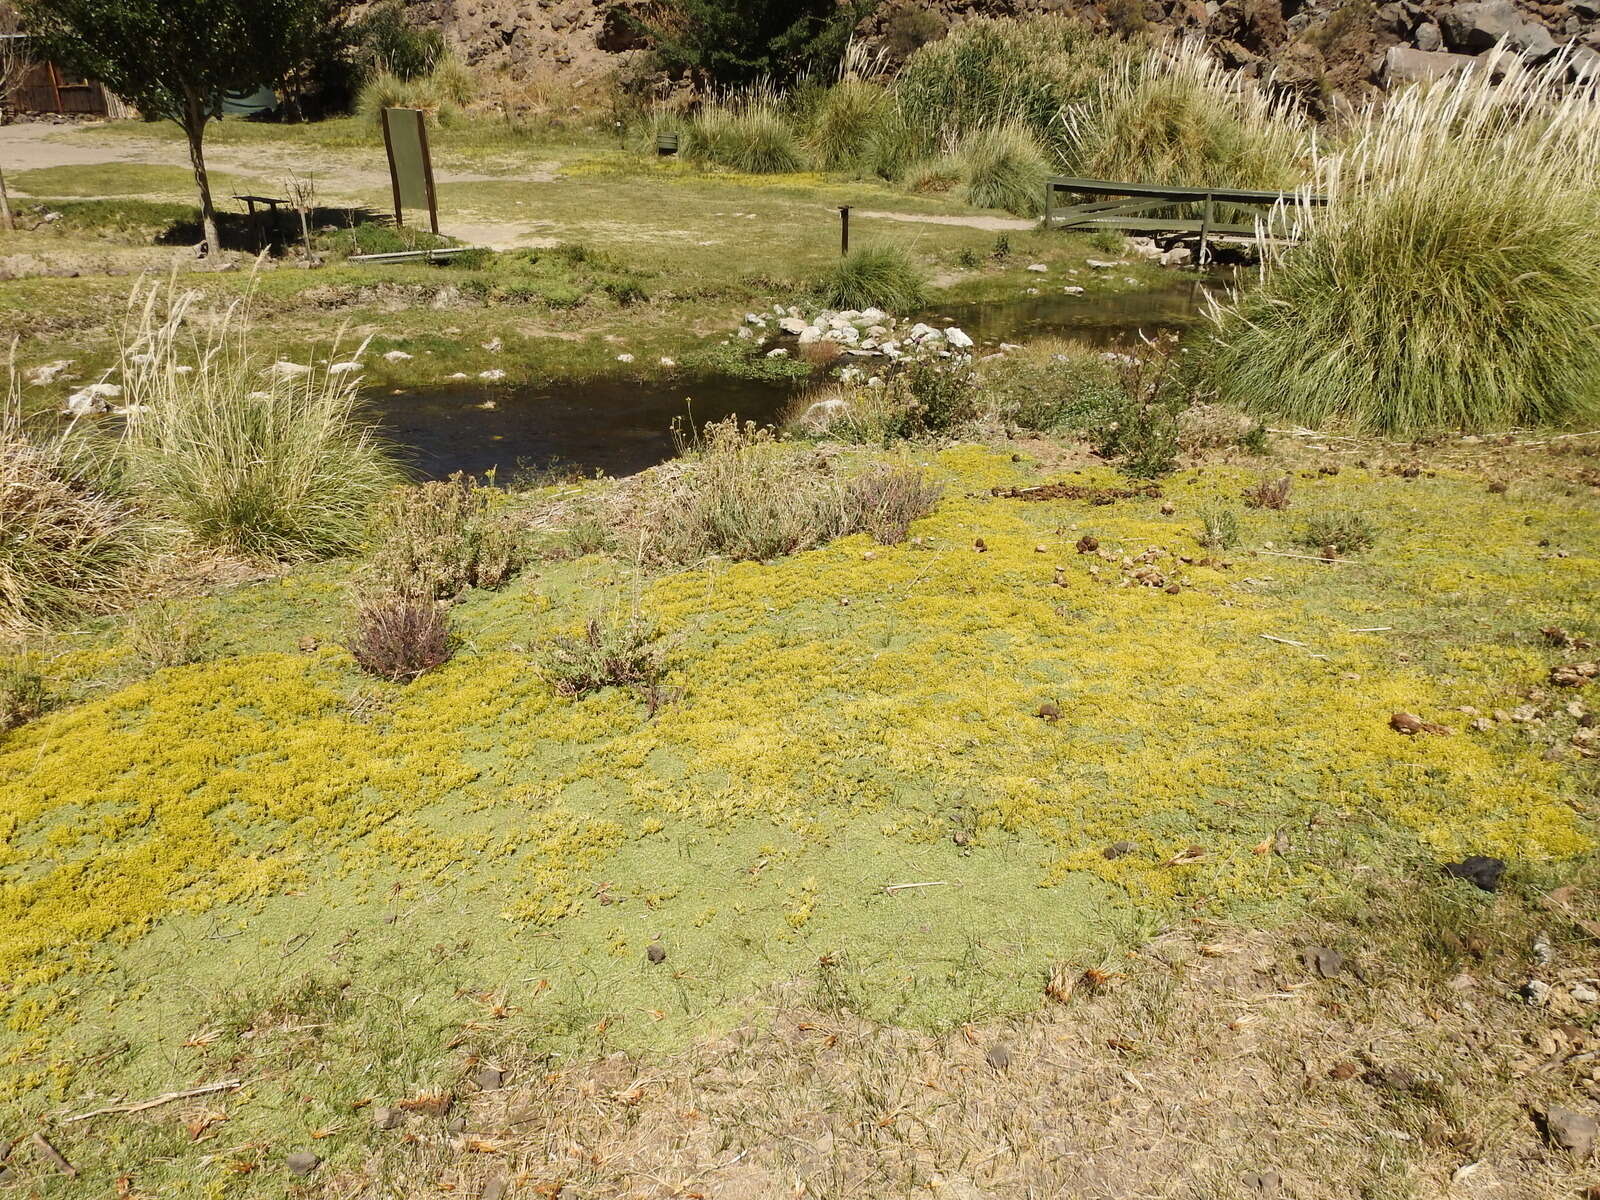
{"x": 621, "y": 426}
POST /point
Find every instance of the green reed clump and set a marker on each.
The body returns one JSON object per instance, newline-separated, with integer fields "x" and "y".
{"x": 845, "y": 124}
{"x": 250, "y": 456}
{"x": 753, "y": 138}
{"x": 874, "y": 277}
{"x": 1453, "y": 281}
{"x": 1002, "y": 167}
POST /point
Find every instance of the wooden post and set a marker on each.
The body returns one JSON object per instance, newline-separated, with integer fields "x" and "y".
{"x": 427, "y": 168}
{"x": 1205, "y": 232}
{"x": 394, "y": 178}
{"x": 844, "y": 230}
{"x": 1049, "y": 194}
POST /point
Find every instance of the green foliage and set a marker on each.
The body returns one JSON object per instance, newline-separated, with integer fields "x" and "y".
{"x": 729, "y": 42}
{"x": 611, "y": 652}
{"x": 943, "y": 392}
{"x": 754, "y": 138}
{"x": 845, "y": 125}
{"x": 440, "y": 93}
{"x": 910, "y": 27}
{"x": 438, "y": 539}
{"x": 165, "y": 633}
{"x": 67, "y": 545}
{"x": 1048, "y": 389}
{"x": 23, "y": 695}
{"x": 1140, "y": 425}
{"x": 874, "y": 276}
{"x": 256, "y": 458}
{"x": 1177, "y": 116}
{"x": 387, "y": 43}
{"x": 1339, "y": 532}
{"x": 1219, "y": 527}
{"x": 1453, "y": 282}
{"x": 739, "y": 493}
{"x": 1004, "y": 168}
{"x": 990, "y": 72}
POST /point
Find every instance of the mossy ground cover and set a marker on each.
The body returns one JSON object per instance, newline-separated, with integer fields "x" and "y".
{"x": 266, "y": 865}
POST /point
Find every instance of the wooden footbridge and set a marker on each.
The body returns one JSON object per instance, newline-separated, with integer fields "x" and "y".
{"x": 1191, "y": 211}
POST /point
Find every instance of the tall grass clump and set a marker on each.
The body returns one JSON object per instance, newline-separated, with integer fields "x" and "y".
{"x": 989, "y": 72}
{"x": 754, "y": 138}
{"x": 67, "y": 543}
{"x": 441, "y": 93}
{"x": 1453, "y": 281}
{"x": 874, "y": 277}
{"x": 1177, "y": 116}
{"x": 1002, "y": 167}
{"x": 257, "y": 458}
{"x": 845, "y": 124}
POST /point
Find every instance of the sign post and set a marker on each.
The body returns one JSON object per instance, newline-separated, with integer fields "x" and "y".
{"x": 405, "y": 138}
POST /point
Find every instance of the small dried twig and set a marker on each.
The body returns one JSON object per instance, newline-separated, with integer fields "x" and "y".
{"x": 226, "y": 1085}
{"x": 56, "y": 1159}
{"x": 1307, "y": 557}
{"x": 892, "y": 888}
{"x": 1284, "y": 641}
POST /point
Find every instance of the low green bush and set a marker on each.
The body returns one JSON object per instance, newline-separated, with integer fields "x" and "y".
{"x": 1452, "y": 282}
{"x": 1338, "y": 533}
{"x": 755, "y": 139}
{"x": 438, "y": 539}
{"x": 1002, "y": 167}
{"x": 874, "y": 276}
{"x": 23, "y": 696}
{"x": 257, "y": 458}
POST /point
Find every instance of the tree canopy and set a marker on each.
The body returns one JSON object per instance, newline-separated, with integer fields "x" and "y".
{"x": 739, "y": 41}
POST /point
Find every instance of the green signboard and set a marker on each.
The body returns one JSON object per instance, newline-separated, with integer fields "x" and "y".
{"x": 405, "y": 136}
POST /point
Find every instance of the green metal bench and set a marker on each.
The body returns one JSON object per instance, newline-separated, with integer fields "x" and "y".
{"x": 1108, "y": 204}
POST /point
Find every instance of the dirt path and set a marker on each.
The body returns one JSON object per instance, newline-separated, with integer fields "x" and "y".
{"x": 993, "y": 224}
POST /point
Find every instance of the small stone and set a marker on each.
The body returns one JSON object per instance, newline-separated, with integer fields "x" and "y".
{"x": 1263, "y": 1183}
{"x": 1326, "y": 962}
{"x": 1049, "y": 711}
{"x": 1088, "y": 544}
{"x": 457, "y": 1125}
{"x": 1536, "y": 992}
{"x": 1119, "y": 849}
{"x": 489, "y": 1078}
{"x": 1571, "y": 1131}
{"x": 495, "y": 1189}
{"x": 1041, "y": 549}
{"x": 302, "y": 1163}
{"x": 1482, "y": 872}
{"x": 385, "y": 1117}
{"x": 656, "y": 952}
{"x": 1168, "y": 508}
{"x": 980, "y": 545}
{"x": 1173, "y": 589}
{"x": 999, "y": 1056}
{"x": 1584, "y": 994}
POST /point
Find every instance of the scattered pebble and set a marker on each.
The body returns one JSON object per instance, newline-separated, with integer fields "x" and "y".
{"x": 1584, "y": 994}
{"x": 1038, "y": 268}
{"x": 303, "y": 1162}
{"x": 1571, "y": 1131}
{"x": 1479, "y": 870}
{"x": 1536, "y": 992}
{"x": 1119, "y": 849}
{"x": 396, "y": 356}
{"x": 999, "y": 1056}
{"x": 624, "y": 358}
{"x": 493, "y": 375}
{"x": 1326, "y": 962}
{"x": 656, "y": 952}
{"x": 385, "y": 1117}
{"x": 489, "y": 1078}
{"x": 1049, "y": 711}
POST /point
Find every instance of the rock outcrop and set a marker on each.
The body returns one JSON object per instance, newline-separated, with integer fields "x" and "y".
{"x": 553, "y": 51}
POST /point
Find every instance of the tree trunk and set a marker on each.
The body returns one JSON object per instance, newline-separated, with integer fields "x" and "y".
{"x": 5, "y": 203}
{"x": 194, "y": 127}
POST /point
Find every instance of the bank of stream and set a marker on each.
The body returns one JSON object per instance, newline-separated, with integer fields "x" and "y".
{"x": 620, "y": 425}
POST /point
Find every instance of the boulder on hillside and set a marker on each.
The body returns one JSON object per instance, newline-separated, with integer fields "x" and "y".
{"x": 1403, "y": 64}
{"x": 1479, "y": 26}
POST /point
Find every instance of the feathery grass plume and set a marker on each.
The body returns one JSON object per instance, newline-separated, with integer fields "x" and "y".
{"x": 992, "y": 71}
{"x": 874, "y": 277}
{"x": 441, "y": 93}
{"x": 1177, "y": 116}
{"x": 1002, "y": 167}
{"x": 67, "y": 543}
{"x": 845, "y": 124}
{"x": 1453, "y": 281}
{"x": 750, "y": 136}
{"x": 253, "y": 457}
